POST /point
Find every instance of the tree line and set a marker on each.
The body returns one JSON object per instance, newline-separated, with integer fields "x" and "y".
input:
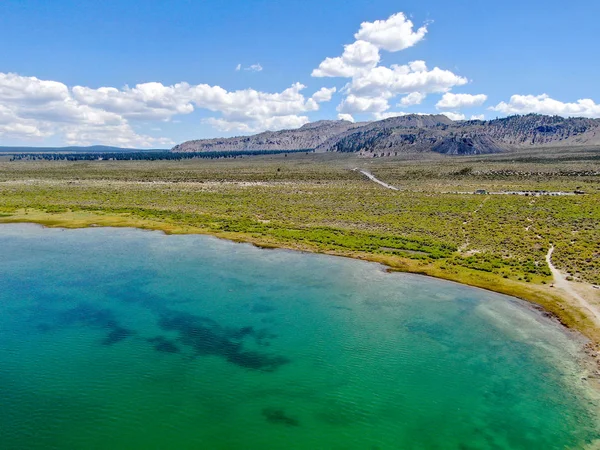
{"x": 146, "y": 156}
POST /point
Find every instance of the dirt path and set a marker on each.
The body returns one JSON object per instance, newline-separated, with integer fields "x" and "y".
{"x": 372, "y": 177}
{"x": 561, "y": 282}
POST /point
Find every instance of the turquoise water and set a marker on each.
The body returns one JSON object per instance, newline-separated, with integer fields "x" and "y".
{"x": 126, "y": 339}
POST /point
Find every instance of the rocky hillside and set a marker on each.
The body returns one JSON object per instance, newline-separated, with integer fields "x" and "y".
{"x": 306, "y": 137}
{"x": 417, "y": 133}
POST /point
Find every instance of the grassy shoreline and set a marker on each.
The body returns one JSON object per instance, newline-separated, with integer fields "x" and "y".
{"x": 566, "y": 311}
{"x": 433, "y": 225}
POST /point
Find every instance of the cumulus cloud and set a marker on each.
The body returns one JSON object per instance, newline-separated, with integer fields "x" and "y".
{"x": 478, "y": 117}
{"x": 11, "y": 125}
{"x": 389, "y": 114}
{"x": 414, "y": 98}
{"x": 372, "y": 85}
{"x": 30, "y": 90}
{"x": 543, "y": 104}
{"x": 270, "y": 123}
{"x": 393, "y": 34}
{"x": 404, "y": 79}
{"x": 458, "y": 101}
{"x": 454, "y": 115}
{"x": 356, "y": 104}
{"x": 358, "y": 56}
{"x": 238, "y": 67}
{"x": 31, "y": 108}
{"x": 34, "y": 108}
{"x": 250, "y": 110}
{"x": 323, "y": 94}
{"x": 370, "y": 92}
{"x": 347, "y": 117}
{"x": 144, "y": 101}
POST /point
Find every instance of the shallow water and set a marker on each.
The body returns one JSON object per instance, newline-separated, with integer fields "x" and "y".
{"x": 124, "y": 339}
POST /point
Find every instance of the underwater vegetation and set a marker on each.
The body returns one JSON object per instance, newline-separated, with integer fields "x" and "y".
{"x": 207, "y": 337}
{"x": 278, "y": 416}
{"x": 85, "y": 314}
{"x": 202, "y": 335}
{"x": 162, "y": 344}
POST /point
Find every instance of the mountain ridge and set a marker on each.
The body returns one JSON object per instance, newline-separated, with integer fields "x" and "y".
{"x": 415, "y": 133}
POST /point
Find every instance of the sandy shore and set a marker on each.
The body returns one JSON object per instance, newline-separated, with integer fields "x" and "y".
{"x": 583, "y": 295}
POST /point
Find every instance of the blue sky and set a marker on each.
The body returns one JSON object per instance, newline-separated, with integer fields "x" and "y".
{"x": 170, "y": 67}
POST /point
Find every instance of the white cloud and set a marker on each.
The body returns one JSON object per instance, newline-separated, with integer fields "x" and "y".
{"x": 254, "y": 68}
{"x": 30, "y": 90}
{"x": 478, "y": 117}
{"x": 414, "y": 98}
{"x": 457, "y": 101}
{"x": 393, "y": 34}
{"x": 323, "y": 94}
{"x": 389, "y": 114}
{"x": 144, "y": 101}
{"x": 347, "y": 117}
{"x": 120, "y": 134}
{"x": 372, "y": 86}
{"x": 251, "y": 110}
{"x": 356, "y": 104}
{"x": 251, "y": 68}
{"x": 543, "y": 104}
{"x": 270, "y": 123}
{"x": 404, "y": 79}
{"x": 14, "y": 126}
{"x": 371, "y": 91}
{"x": 453, "y": 115}
{"x": 31, "y": 108}
{"x": 357, "y": 56}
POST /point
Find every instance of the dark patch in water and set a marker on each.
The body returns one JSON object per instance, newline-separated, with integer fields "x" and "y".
{"x": 162, "y": 344}
{"x": 242, "y": 333}
{"x": 430, "y": 329}
{"x": 263, "y": 337}
{"x": 44, "y": 327}
{"x": 278, "y": 416}
{"x": 86, "y": 314}
{"x": 117, "y": 335}
{"x": 345, "y": 308}
{"x": 207, "y": 337}
{"x": 260, "y": 308}
{"x": 267, "y": 320}
{"x": 203, "y": 335}
{"x": 90, "y": 316}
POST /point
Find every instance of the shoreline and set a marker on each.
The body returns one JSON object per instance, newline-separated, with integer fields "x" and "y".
{"x": 567, "y": 311}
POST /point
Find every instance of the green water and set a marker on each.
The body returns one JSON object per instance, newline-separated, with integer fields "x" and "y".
{"x": 126, "y": 339}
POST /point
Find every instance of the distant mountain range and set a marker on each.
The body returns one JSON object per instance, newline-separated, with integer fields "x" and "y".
{"x": 76, "y": 149}
{"x": 416, "y": 133}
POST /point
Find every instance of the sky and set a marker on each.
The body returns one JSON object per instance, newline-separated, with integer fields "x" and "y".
{"x": 150, "y": 73}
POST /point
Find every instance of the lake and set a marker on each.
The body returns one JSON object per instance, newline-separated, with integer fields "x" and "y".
{"x": 124, "y": 339}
